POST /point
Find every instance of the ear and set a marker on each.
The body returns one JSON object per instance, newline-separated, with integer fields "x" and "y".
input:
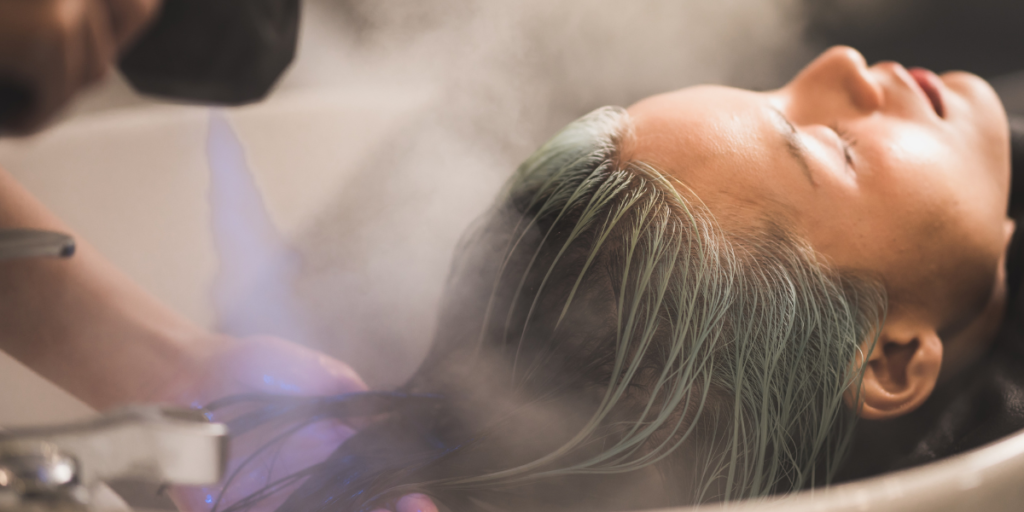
{"x": 901, "y": 371}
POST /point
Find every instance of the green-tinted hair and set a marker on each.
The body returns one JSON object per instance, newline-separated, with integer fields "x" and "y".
{"x": 598, "y": 325}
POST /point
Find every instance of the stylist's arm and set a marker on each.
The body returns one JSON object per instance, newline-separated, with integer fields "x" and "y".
{"x": 85, "y": 326}
{"x": 50, "y": 49}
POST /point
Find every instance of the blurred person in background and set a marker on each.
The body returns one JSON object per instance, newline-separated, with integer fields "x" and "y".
{"x": 51, "y": 49}
{"x": 81, "y": 323}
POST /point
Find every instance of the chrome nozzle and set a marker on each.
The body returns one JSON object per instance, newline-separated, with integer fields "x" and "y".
{"x": 32, "y": 243}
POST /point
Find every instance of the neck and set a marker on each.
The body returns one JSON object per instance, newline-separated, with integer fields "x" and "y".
{"x": 972, "y": 342}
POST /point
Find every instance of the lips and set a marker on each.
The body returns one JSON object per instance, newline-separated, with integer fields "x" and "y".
{"x": 930, "y": 83}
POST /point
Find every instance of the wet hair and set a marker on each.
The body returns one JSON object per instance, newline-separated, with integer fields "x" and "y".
{"x": 604, "y": 345}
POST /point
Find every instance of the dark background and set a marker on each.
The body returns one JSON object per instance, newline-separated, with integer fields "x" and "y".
{"x": 985, "y": 37}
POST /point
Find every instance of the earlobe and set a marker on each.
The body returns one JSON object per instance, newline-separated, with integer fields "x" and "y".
{"x": 900, "y": 373}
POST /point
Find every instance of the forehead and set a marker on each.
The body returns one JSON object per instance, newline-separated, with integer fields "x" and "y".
{"x": 693, "y": 121}
{"x": 719, "y": 142}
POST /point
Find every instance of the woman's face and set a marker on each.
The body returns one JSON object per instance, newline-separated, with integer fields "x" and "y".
{"x": 901, "y": 174}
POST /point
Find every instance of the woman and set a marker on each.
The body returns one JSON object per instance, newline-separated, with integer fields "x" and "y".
{"x": 686, "y": 301}
{"x": 692, "y": 299}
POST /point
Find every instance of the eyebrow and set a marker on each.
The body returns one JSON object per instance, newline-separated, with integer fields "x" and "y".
{"x": 794, "y": 145}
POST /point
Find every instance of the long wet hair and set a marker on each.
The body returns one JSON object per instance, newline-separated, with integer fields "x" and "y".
{"x": 604, "y": 345}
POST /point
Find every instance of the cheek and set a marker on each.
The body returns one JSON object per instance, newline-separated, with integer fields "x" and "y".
{"x": 896, "y": 206}
{"x": 961, "y": 169}
{"x": 912, "y": 170}
{"x": 931, "y": 194}
{"x": 908, "y": 153}
{"x": 939, "y": 210}
{"x": 901, "y": 177}
{"x": 978, "y": 113}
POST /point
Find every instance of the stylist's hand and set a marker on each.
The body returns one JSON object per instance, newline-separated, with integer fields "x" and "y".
{"x": 275, "y": 366}
{"x": 52, "y": 48}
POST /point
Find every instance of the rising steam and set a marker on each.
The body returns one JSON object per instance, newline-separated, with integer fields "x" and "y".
{"x": 509, "y": 75}
{"x": 253, "y": 289}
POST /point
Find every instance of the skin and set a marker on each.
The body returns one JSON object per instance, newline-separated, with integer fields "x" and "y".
{"x": 54, "y": 48}
{"x": 86, "y": 327}
{"x": 920, "y": 205}
{"x": 918, "y": 202}
{"x": 913, "y": 199}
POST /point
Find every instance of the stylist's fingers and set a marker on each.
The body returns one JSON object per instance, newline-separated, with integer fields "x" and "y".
{"x": 78, "y": 49}
{"x": 47, "y": 54}
{"x": 50, "y": 49}
{"x": 412, "y": 503}
{"x": 416, "y": 503}
{"x": 99, "y": 46}
{"x": 270, "y": 366}
{"x": 53, "y": 48}
{"x": 128, "y": 18}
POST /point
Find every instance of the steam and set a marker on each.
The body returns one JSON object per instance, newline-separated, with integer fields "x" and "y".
{"x": 253, "y": 290}
{"x": 510, "y": 74}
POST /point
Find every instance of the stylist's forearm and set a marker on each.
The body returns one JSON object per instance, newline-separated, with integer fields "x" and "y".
{"x": 81, "y": 323}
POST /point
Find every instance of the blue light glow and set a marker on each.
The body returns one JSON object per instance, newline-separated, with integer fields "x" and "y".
{"x": 253, "y": 289}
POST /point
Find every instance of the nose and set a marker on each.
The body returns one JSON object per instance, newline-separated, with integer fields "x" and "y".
{"x": 835, "y": 84}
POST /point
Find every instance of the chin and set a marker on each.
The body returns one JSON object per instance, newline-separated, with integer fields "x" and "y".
{"x": 980, "y": 107}
{"x": 979, "y": 96}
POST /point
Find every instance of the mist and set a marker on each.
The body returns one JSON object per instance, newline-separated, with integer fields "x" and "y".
{"x": 500, "y": 78}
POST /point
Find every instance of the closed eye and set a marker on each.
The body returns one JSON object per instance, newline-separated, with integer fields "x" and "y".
{"x": 794, "y": 146}
{"x": 847, "y": 139}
